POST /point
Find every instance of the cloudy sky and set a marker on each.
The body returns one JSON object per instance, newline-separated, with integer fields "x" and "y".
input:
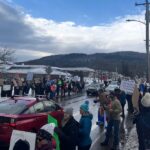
{"x": 37, "y": 28}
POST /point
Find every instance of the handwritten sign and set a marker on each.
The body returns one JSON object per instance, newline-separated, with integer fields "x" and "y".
{"x": 6, "y": 87}
{"x": 127, "y": 86}
{"x": 135, "y": 98}
{"x": 29, "y": 76}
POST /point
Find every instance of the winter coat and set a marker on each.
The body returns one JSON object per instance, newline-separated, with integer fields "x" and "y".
{"x": 45, "y": 147}
{"x": 85, "y": 129}
{"x": 68, "y": 135}
{"x": 117, "y": 109}
{"x": 143, "y": 128}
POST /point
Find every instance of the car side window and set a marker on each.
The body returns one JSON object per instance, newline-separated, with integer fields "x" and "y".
{"x": 39, "y": 107}
{"x": 49, "y": 106}
{"x": 30, "y": 110}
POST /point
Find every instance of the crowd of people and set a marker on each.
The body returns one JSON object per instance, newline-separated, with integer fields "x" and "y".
{"x": 74, "y": 134}
{"x": 52, "y": 88}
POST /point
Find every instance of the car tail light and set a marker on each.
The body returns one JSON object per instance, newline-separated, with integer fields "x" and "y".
{"x": 12, "y": 123}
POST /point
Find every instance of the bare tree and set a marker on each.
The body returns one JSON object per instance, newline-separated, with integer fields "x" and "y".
{"x": 6, "y": 54}
{"x": 48, "y": 70}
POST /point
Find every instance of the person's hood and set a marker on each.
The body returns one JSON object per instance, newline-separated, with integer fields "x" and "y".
{"x": 146, "y": 100}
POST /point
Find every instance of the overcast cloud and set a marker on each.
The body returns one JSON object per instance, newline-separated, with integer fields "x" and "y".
{"x": 37, "y": 37}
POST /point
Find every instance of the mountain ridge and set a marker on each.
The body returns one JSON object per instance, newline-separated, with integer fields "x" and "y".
{"x": 126, "y": 62}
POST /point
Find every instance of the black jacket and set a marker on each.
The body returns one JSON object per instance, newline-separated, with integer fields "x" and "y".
{"x": 142, "y": 121}
{"x": 68, "y": 135}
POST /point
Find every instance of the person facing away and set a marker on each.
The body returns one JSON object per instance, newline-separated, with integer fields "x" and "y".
{"x": 68, "y": 133}
{"x": 114, "y": 121}
{"x": 85, "y": 127}
{"x": 44, "y": 140}
{"x": 142, "y": 121}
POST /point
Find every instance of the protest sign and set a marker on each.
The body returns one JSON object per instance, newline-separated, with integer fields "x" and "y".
{"x": 53, "y": 120}
{"x": 6, "y": 87}
{"x": 19, "y": 82}
{"x": 1, "y": 81}
{"x": 135, "y": 98}
{"x": 29, "y": 76}
{"x": 127, "y": 86}
{"x": 22, "y": 138}
{"x": 14, "y": 82}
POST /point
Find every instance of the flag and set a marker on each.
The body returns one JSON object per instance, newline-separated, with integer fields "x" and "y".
{"x": 53, "y": 120}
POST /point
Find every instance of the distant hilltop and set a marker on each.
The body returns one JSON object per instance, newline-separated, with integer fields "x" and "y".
{"x": 127, "y": 63}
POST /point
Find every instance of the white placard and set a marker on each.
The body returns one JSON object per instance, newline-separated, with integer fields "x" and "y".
{"x": 6, "y": 87}
{"x": 21, "y": 136}
{"x": 127, "y": 86}
{"x": 30, "y": 76}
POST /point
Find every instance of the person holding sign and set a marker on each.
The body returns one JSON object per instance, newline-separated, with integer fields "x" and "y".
{"x": 68, "y": 134}
{"x": 44, "y": 140}
{"x": 114, "y": 121}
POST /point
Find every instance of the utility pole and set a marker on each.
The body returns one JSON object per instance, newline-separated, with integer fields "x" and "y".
{"x": 147, "y": 35}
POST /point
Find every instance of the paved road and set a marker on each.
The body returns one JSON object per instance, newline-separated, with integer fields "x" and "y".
{"x": 98, "y": 134}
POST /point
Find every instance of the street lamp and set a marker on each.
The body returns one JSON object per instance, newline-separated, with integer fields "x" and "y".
{"x": 147, "y": 42}
{"x": 136, "y": 21}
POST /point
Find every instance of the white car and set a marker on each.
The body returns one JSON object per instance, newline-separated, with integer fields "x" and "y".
{"x": 112, "y": 86}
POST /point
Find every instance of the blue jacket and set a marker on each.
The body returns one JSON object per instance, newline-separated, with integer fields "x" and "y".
{"x": 85, "y": 130}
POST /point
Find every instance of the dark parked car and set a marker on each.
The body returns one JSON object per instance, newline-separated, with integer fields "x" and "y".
{"x": 93, "y": 89}
{"x": 26, "y": 114}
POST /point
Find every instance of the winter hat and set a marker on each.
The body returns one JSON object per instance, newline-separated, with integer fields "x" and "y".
{"x": 69, "y": 111}
{"x": 85, "y": 107}
{"x": 87, "y": 102}
{"x": 146, "y": 100}
{"x": 49, "y": 128}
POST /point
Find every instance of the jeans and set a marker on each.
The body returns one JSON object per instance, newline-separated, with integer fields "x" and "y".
{"x": 115, "y": 124}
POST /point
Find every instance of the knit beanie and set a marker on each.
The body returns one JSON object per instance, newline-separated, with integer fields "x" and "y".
{"x": 85, "y": 107}
{"x": 69, "y": 111}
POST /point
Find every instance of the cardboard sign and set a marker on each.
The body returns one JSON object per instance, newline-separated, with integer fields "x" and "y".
{"x": 22, "y": 138}
{"x": 127, "y": 86}
{"x": 14, "y": 82}
{"x": 29, "y": 76}
{"x": 6, "y": 87}
{"x": 19, "y": 82}
{"x": 135, "y": 98}
{"x": 1, "y": 81}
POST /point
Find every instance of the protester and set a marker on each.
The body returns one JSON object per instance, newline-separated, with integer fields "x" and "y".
{"x": 142, "y": 122}
{"x": 85, "y": 127}
{"x": 130, "y": 104}
{"x": 114, "y": 121}
{"x": 123, "y": 102}
{"x": 68, "y": 134}
{"x": 44, "y": 139}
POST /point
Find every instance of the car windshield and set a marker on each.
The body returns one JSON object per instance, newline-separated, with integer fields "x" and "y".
{"x": 11, "y": 107}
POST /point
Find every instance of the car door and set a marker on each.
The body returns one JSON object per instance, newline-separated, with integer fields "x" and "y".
{"x": 41, "y": 116}
{"x": 27, "y": 121}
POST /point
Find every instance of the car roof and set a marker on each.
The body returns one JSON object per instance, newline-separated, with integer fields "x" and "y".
{"x": 28, "y": 101}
